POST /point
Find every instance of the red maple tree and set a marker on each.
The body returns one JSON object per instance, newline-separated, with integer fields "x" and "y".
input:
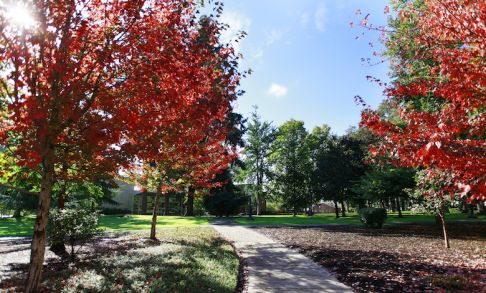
{"x": 188, "y": 145}
{"x": 448, "y": 139}
{"x": 91, "y": 71}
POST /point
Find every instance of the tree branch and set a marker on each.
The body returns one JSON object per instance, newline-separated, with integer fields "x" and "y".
{"x": 19, "y": 189}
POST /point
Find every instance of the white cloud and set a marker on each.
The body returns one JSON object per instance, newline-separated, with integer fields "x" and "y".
{"x": 273, "y": 36}
{"x": 237, "y": 23}
{"x": 304, "y": 19}
{"x": 320, "y": 17}
{"x": 257, "y": 54}
{"x": 277, "y": 90}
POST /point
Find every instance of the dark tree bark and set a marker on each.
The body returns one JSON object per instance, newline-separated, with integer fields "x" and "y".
{"x": 38, "y": 245}
{"x": 17, "y": 213}
{"x": 399, "y": 208}
{"x": 471, "y": 214}
{"x": 153, "y": 227}
{"x": 181, "y": 205}
{"x": 336, "y": 208}
{"x": 481, "y": 208}
{"x": 144, "y": 203}
{"x": 343, "y": 210}
{"x": 190, "y": 201}
{"x": 166, "y": 204}
{"x": 392, "y": 204}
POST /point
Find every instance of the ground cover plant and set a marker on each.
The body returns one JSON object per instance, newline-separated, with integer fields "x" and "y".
{"x": 397, "y": 258}
{"x": 23, "y": 226}
{"x": 184, "y": 260}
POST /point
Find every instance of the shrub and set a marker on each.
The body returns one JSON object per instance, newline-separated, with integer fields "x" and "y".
{"x": 372, "y": 217}
{"x": 73, "y": 226}
{"x": 114, "y": 211}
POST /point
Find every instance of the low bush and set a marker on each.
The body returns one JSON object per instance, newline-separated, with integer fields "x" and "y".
{"x": 73, "y": 226}
{"x": 372, "y": 217}
{"x": 114, "y": 211}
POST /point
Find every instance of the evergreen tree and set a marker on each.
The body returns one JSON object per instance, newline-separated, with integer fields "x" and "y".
{"x": 260, "y": 139}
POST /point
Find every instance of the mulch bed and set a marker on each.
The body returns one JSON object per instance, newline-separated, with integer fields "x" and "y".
{"x": 397, "y": 258}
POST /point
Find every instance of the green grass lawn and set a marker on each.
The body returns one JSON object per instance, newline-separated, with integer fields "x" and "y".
{"x": 24, "y": 226}
{"x": 350, "y": 219}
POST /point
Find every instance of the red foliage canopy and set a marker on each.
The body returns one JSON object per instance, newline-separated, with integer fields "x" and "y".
{"x": 450, "y": 139}
{"x": 185, "y": 138}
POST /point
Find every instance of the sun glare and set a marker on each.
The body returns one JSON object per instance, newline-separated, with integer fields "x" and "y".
{"x": 20, "y": 15}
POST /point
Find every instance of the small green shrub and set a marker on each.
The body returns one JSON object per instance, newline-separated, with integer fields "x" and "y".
{"x": 114, "y": 211}
{"x": 73, "y": 226}
{"x": 372, "y": 217}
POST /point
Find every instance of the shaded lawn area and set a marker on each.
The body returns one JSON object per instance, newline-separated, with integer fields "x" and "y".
{"x": 350, "y": 219}
{"x": 185, "y": 260}
{"x": 24, "y": 226}
{"x": 397, "y": 258}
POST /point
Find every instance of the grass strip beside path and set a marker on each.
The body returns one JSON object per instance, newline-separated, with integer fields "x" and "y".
{"x": 350, "y": 219}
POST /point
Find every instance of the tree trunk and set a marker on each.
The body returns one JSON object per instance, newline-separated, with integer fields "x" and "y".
{"x": 294, "y": 212}
{"x": 258, "y": 206}
{"x": 61, "y": 201}
{"x": 399, "y": 208}
{"x": 190, "y": 202}
{"x": 38, "y": 245}
{"x": 144, "y": 204}
{"x": 392, "y": 204}
{"x": 166, "y": 204}
{"x": 471, "y": 214}
{"x": 17, "y": 213}
{"x": 343, "y": 210}
{"x": 336, "y": 208}
{"x": 481, "y": 208}
{"x": 261, "y": 205}
{"x": 444, "y": 229}
{"x": 181, "y": 205}
{"x": 158, "y": 194}
{"x": 382, "y": 203}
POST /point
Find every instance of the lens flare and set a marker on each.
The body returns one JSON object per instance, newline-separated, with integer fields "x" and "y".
{"x": 20, "y": 15}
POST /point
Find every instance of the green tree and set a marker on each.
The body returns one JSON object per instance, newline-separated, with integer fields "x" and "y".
{"x": 257, "y": 170}
{"x": 341, "y": 166}
{"x": 225, "y": 200}
{"x": 292, "y": 164}
{"x": 386, "y": 184}
{"x": 318, "y": 143}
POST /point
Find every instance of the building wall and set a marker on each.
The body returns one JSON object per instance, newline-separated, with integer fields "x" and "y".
{"x": 123, "y": 196}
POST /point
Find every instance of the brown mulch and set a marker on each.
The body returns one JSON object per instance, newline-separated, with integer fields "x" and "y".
{"x": 397, "y": 258}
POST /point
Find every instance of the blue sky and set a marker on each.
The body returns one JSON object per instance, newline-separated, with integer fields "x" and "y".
{"x": 305, "y": 59}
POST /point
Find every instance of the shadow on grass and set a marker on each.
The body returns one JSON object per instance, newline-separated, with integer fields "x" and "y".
{"x": 133, "y": 263}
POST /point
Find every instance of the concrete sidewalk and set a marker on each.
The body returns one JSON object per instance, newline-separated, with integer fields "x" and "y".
{"x": 274, "y": 268}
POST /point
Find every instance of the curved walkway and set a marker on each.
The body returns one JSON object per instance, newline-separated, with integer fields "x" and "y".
{"x": 274, "y": 268}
